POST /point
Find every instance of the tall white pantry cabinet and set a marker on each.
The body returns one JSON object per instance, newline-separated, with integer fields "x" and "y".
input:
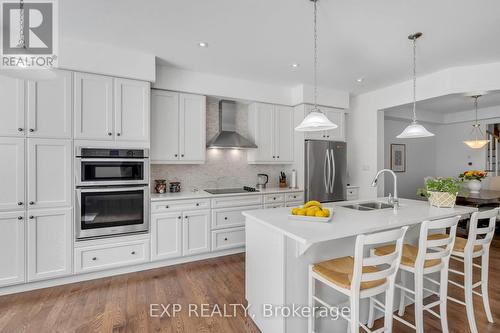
{"x": 37, "y": 128}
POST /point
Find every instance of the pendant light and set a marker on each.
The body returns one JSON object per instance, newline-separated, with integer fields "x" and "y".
{"x": 477, "y": 133}
{"x": 316, "y": 120}
{"x": 22, "y": 71}
{"x": 414, "y": 130}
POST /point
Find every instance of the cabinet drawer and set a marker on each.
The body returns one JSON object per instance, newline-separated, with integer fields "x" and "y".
{"x": 228, "y": 238}
{"x": 352, "y": 193}
{"x": 178, "y": 205}
{"x": 294, "y": 203}
{"x": 274, "y": 205}
{"x": 295, "y": 196}
{"x": 110, "y": 256}
{"x": 270, "y": 198}
{"x": 230, "y": 217}
{"x": 240, "y": 200}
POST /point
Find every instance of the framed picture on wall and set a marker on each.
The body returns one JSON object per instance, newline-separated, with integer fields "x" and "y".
{"x": 398, "y": 157}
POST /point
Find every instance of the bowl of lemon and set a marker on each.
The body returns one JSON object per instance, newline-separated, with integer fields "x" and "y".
{"x": 311, "y": 211}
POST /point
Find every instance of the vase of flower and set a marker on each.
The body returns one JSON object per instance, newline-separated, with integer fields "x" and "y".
{"x": 474, "y": 178}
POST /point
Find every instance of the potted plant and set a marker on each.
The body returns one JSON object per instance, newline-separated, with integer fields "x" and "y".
{"x": 441, "y": 192}
{"x": 474, "y": 178}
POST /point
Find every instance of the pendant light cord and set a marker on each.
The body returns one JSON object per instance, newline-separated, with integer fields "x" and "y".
{"x": 21, "y": 42}
{"x": 315, "y": 56}
{"x": 414, "y": 79}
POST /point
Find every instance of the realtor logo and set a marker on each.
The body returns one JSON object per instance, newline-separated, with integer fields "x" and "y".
{"x": 29, "y": 33}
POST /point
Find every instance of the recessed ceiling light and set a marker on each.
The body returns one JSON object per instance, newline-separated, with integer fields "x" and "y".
{"x": 202, "y": 44}
{"x": 359, "y": 80}
{"x": 295, "y": 65}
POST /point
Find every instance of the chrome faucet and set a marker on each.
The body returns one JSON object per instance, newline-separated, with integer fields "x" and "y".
{"x": 394, "y": 201}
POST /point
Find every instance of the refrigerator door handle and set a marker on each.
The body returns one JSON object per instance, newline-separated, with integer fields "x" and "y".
{"x": 326, "y": 169}
{"x": 332, "y": 178}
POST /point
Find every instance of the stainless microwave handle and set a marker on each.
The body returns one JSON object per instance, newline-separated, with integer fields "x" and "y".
{"x": 83, "y": 159}
{"x": 112, "y": 189}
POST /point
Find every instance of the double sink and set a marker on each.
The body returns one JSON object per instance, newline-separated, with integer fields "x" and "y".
{"x": 369, "y": 206}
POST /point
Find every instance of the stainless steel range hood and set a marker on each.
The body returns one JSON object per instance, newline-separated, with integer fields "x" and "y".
{"x": 227, "y": 136}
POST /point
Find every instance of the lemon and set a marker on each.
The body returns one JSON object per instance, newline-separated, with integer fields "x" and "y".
{"x": 326, "y": 212}
{"x": 301, "y": 212}
{"x": 311, "y": 211}
{"x": 321, "y": 213}
{"x": 295, "y": 211}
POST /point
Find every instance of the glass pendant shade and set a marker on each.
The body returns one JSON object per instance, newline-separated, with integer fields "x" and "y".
{"x": 315, "y": 121}
{"x": 476, "y": 144}
{"x": 414, "y": 130}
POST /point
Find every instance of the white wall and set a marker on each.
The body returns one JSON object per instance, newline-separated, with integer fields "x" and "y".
{"x": 420, "y": 159}
{"x": 363, "y": 133}
{"x": 106, "y": 59}
{"x": 171, "y": 78}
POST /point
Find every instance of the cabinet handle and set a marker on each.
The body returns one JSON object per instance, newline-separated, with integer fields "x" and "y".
{"x": 32, "y": 130}
{"x": 95, "y": 258}
{"x": 20, "y": 129}
{"x": 110, "y": 134}
{"x": 225, "y": 239}
{"x": 132, "y": 253}
{"x": 20, "y": 203}
{"x": 32, "y": 202}
{"x": 31, "y": 217}
{"x": 118, "y": 134}
{"x": 19, "y": 217}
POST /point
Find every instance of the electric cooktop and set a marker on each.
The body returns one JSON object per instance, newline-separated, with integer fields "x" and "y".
{"x": 243, "y": 189}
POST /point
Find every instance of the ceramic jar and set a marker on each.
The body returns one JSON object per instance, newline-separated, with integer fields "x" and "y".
{"x": 160, "y": 185}
{"x": 474, "y": 186}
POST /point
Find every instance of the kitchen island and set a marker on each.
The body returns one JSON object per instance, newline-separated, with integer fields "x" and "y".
{"x": 279, "y": 250}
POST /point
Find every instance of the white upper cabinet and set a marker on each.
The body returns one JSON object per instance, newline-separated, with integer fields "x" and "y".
{"x": 49, "y": 173}
{"x": 49, "y": 243}
{"x": 164, "y": 126}
{"x": 132, "y": 110}
{"x": 12, "y": 106}
{"x": 284, "y": 129}
{"x": 337, "y": 116}
{"x": 49, "y": 107}
{"x": 271, "y": 128}
{"x": 12, "y": 174}
{"x": 192, "y": 111}
{"x": 93, "y": 106}
{"x": 178, "y": 128}
{"x": 12, "y": 245}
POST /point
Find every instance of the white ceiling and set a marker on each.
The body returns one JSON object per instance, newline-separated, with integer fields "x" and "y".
{"x": 260, "y": 39}
{"x": 451, "y": 103}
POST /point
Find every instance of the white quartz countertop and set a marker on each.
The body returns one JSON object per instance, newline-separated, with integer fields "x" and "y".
{"x": 348, "y": 222}
{"x": 202, "y": 194}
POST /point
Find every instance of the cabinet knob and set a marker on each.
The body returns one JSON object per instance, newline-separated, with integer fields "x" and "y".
{"x": 176, "y": 155}
{"x": 225, "y": 218}
{"x": 166, "y": 206}
{"x": 132, "y": 253}
{"x": 186, "y": 217}
{"x": 20, "y": 203}
{"x": 31, "y": 217}
{"x": 274, "y": 156}
{"x": 20, "y": 129}
{"x": 32, "y": 130}
{"x": 179, "y": 217}
{"x": 95, "y": 258}
{"x": 295, "y": 197}
{"x": 118, "y": 134}
{"x": 197, "y": 204}
{"x": 277, "y": 157}
{"x": 182, "y": 155}
{"x": 32, "y": 202}
{"x": 19, "y": 217}
{"x": 225, "y": 239}
{"x": 274, "y": 198}
{"x": 110, "y": 134}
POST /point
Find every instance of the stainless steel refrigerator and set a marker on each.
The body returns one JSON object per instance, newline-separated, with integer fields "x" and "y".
{"x": 325, "y": 170}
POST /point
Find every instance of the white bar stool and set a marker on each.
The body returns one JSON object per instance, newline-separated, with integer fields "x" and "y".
{"x": 359, "y": 277}
{"x": 465, "y": 250}
{"x": 421, "y": 262}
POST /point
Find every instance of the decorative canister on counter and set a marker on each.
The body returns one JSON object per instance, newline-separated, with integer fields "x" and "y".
{"x": 160, "y": 185}
{"x": 175, "y": 187}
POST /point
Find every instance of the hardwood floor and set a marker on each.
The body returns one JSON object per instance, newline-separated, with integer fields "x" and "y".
{"x": 122, "y": 303}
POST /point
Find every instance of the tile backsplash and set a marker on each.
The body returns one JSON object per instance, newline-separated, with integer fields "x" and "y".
{"x": 223, "y": 167}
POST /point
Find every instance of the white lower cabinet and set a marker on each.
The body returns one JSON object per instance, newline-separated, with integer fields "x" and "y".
{"x": 230, "y": 217}
{"x": 228, "y": 238}
{"x": 111, "y": 255}
{"x": 12, "y": 244}
{"x": 196, "y": 232}
{"x": 49, "y": 243}
{"x": 166, "y": 236}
